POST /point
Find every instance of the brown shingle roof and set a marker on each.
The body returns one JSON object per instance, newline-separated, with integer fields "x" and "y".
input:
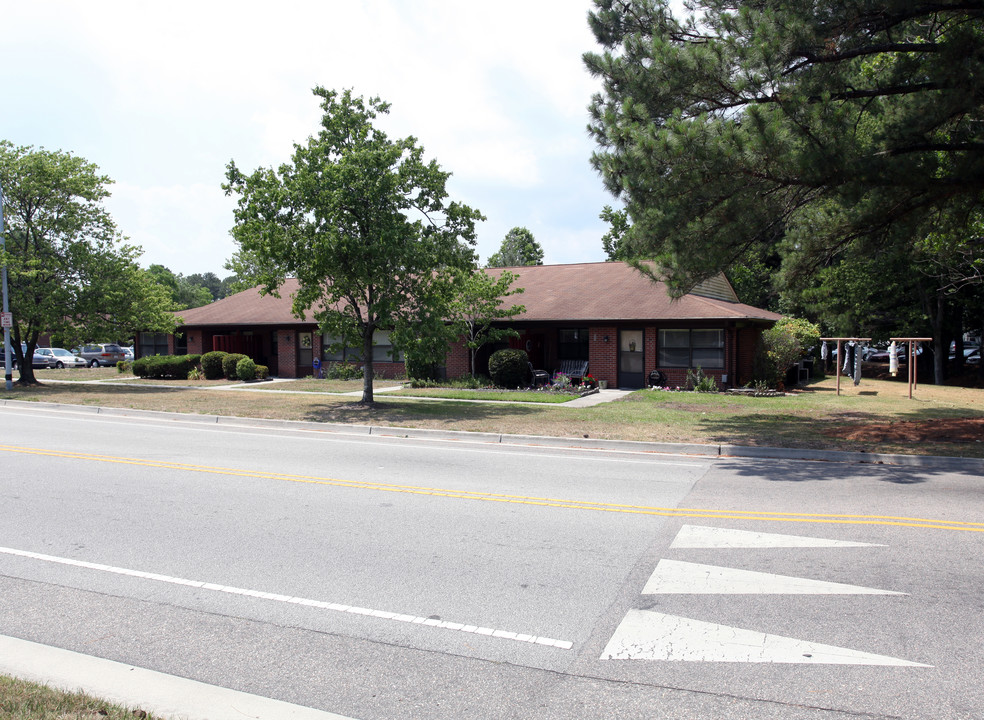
{"x": 248, "y": 307}
{"x": 601, "y": 292}
{"x": 613, "y": 291}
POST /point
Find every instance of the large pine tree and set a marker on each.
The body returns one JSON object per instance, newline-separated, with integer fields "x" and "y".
{"x": 825, "y": 123}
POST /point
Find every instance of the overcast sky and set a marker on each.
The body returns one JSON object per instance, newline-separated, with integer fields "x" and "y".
{"x": 162, "y": 95}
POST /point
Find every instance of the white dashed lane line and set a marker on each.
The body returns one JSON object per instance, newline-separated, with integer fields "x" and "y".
{"x": 306, "y": 602}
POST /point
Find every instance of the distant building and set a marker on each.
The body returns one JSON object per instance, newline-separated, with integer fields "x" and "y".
{"x": 623, "y": 324}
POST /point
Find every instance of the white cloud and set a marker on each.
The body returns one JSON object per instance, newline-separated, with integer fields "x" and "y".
{"x": 163, "y": 96}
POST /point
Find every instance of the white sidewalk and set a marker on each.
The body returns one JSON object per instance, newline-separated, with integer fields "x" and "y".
{"x": 165, "y": 695}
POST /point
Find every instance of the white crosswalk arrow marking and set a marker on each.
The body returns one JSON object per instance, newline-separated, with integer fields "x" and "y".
{"x": 646, "y": 635}
{"x": 699, "y": 536}
{"x": 676, "y": 577}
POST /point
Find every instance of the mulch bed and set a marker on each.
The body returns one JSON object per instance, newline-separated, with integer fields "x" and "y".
{"x": 953, "y": 430}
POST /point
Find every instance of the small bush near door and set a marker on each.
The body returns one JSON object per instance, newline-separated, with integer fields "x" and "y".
{"x": 509, "y": 368}
{"x": 246, "y": 369}
{"x": 229, "y": 363}
{"x": 212, "y": 365}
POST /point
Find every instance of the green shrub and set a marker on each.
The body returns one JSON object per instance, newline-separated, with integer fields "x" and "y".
{"x": 246, "y": 369}
{"x": 509, "y": 368}
{"x": 123, "y": 366}
{"x": 342, "y": 371}
{"x": 262, "y": 372}
{"x": 699, "y": 382}
{"x": 465, "y": 382}
{"x": 165, "y": 367}
{"x": 212, "y": 365}
{"x": 420, "y": 368}
{"x": 229, "y": 363}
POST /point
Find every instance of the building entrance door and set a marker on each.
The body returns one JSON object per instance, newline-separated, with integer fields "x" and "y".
{"x": 631, "y": 359}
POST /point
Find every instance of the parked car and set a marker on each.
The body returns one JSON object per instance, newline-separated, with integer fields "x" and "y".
{"x": 128, "y": 351}
{"x": 96, "y": 355}
{"x": 902, "y": 351}
{"x": 39, "y": 360}
{"x": 60, "y": 358}
{"x": 967, "y": 351}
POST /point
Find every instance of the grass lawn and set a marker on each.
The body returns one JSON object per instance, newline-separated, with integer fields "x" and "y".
{"x": 799, "y": 419}
{"x": 22, "y": 700}
{"x": 487, "y": 395}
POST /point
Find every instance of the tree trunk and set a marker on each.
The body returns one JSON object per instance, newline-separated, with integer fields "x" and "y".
{"x": 367, "y": 371}
{"x": 25, "y": 361}
{"x": 937, "y": 320}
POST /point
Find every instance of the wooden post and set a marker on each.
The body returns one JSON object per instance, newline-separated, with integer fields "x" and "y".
{"x": 839, "y": 356}
{"x": 913, "y": 371}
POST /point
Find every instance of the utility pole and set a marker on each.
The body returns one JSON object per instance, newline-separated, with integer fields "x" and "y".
{"x": 6, "y": 319}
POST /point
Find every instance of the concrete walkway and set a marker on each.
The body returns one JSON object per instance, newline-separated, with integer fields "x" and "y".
{"x": 595, "y": 398}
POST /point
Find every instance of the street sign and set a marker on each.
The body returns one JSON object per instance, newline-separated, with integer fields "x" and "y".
{"x": 6, "y": 320}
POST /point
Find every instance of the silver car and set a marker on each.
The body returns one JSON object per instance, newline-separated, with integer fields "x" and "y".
{"x": 101, "y": 355}
{"x": 60, "y": 358}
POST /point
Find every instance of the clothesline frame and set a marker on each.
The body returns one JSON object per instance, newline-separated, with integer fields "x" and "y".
{"x": 840, "y": 340}
{"x": 913, "y": 372}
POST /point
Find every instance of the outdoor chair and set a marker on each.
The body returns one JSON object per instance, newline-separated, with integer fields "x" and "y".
{"x": 540, "y": 377}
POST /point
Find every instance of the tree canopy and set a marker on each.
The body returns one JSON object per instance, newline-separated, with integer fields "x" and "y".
{"x": 478, "y": 305}
{"x": 519, "y": 248}
{"x": 361, "y": 220}
{"x": 824, "y": 123}
{"x": 71, "y": 274}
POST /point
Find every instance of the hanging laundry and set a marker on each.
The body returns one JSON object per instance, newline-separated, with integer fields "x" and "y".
{"x": 893, "y": 360}
{"x": 848, "y": 358}
{"x": 857, "y": 365}
{"x": 824, "y": 355}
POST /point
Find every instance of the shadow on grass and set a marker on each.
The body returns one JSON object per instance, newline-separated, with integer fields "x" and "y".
{"x": 447, "y": 415}
{"x": 785, "y": 471}
{"x": 795, "y": 431}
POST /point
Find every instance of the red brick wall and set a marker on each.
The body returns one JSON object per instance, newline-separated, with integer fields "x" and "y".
{"x": 747, "y": 340}
{"x": 287, "y": 353}
{"x": 458, "y": 361}
{"x": 195, "y": 342}
{"x": 602, "y": 355}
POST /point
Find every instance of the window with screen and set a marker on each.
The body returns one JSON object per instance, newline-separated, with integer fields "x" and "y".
{"x": 572, "y": 344}
{"x": 691, "y": 348}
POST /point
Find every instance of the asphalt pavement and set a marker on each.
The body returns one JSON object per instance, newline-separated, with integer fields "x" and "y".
{"x": 635, "y": 583}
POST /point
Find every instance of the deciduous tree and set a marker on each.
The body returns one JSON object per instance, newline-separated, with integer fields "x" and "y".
{"x": 519, "y": 248}
{"x": 71, "y": 273}
{"x": 361, "y": 220}
{"x": 478, "y": 305}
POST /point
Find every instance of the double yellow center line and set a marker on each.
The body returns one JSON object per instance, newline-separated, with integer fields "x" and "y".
{"x": 569, "y": 504}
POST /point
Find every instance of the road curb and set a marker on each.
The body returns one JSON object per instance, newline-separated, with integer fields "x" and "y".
{"x": 939, "y": 462}
{"x": 165, "y": 695}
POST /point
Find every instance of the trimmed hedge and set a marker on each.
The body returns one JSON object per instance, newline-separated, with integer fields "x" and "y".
{"x": 262, "y": 372}
{"x": 246, "y": 369}
{"x": 509, "y": 368}
{"x": 229, "y": 363}
{"x": 166, "y": 367}
{"x": 212, "y": 365}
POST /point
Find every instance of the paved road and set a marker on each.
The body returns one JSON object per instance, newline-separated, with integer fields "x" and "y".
{"x": 397, "y": 578}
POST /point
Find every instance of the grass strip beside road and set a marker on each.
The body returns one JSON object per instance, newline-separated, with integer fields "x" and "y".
{"x": 797, "y": 420}
{"x": 23, "y": 700}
